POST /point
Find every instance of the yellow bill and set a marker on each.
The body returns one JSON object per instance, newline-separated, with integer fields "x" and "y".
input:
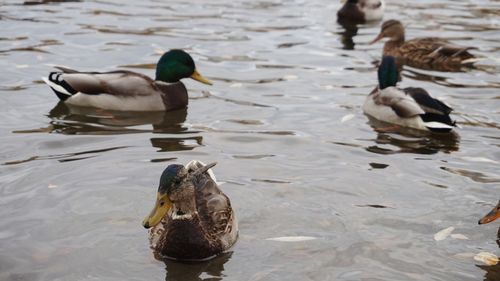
{"x": 197, "y": 76}
{"x": 162, "y": 206}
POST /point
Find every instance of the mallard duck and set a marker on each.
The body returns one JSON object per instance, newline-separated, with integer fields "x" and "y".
{"x": 408, "y": 107}
{"x": 192, "y": 218}
{"x": 126, "y": 90}
{"x": 492, "y": 215}
{"x": 361, "y": 11}
{"x": 427, "y": 53}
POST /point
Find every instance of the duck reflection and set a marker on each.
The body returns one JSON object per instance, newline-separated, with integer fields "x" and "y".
{"x": 347, "y": 35}
{"x": 410, "y": 140}
{"x": 196, "y": 271}
{"x": 92, "y": 121}
{"x": 84, "y": 120}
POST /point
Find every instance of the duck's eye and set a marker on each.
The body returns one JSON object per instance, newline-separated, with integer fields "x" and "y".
{"x": 162, "y": 203}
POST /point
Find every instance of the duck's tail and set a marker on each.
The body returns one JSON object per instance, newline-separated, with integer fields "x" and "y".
{"x": 437, "y": 122}
{"x": 60, "y": 87}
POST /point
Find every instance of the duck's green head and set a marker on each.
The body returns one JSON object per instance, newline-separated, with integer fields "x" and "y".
{"x": 175, "y": 65}
{"x": 174, "y": 183}
{"x": 492, "y": 215}
{"x": 387, "y": 73}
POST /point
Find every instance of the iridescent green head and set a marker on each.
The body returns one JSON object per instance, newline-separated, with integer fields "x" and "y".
{"x": 175, "y": 65}
{"x": 387, "y": 73}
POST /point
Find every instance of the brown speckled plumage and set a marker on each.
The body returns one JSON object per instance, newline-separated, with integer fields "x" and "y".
{"x": 210, "y": 230}
{"x": 426, "y": 53}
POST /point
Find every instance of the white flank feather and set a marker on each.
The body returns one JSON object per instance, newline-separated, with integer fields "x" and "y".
{"x": 55, "y": 86}
{"x": 437, "y": 125}
{"x": 372, "y": 13}
{"x": 138, "y": 103}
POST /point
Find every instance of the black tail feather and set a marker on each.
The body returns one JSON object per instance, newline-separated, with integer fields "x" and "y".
{"x": 55, "y": 77}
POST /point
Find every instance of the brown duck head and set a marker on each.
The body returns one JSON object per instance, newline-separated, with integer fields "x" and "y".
{"x": 175, "y": 195}
{"x": 392, "y": 29}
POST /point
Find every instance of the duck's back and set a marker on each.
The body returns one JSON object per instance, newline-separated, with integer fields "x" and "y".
{"x": 429, "y": 53}
{"x": 215, "y": 211}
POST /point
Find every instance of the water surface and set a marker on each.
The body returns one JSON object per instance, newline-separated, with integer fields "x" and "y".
{"x": 284, "y": 122}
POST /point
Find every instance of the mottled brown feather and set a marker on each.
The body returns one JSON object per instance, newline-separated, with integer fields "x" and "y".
{"x": 211, "y": 230}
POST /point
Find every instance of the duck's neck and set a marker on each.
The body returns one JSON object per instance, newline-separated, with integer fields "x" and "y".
{"x": 393, "y": 44}
{"x": 398, "y": 39}
{"x": 175, "y": 95}
{"x": 185, "y": 208}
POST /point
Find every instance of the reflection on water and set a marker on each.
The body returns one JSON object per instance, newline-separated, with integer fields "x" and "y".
{"x": 408, "y": 140}
{"x": 41, "y": 2}
{"x": 66, "y": 157}
{"x": 288, "y": 82}
{"x": 197, "y": 271}
{"x": 93, "y": 121}
{"x": 176, "y": 144}
{"x": 347, "y": 35}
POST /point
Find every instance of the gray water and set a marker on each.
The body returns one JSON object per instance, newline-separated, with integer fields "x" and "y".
{"x": 284, "y": 122}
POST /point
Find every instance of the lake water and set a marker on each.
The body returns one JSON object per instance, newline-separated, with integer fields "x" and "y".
{"x": 284, "y": 122}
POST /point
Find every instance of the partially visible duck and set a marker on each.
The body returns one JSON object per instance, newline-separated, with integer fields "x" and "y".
{"x": 408, "y": 107}
{"x": 492, "y": 216}
{"x": 361, "y": 11}
{"x": 126, "y": 90}
{"x": 427, "y": 53}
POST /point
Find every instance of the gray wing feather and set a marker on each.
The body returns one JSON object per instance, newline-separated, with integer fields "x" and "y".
{"x": 118, "y": 83}
{"x": 403, "y": 105}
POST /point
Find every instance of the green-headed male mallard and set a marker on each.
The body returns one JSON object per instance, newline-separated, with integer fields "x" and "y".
{"x": 126, "y": 90}
{"x": 408, "y": 107}
{"x": 361, "y": 11}
{"x": 427, "y": 53}
{"x": 192, "y": 218}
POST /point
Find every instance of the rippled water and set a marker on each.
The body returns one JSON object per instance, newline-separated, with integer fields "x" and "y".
{"x": 284, "y": 122}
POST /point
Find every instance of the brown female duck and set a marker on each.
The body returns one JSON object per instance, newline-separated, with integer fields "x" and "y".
{"x": 192, "y": 218}
{"x": 426, "y": 53}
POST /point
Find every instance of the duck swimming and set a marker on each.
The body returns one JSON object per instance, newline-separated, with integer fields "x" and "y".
{"x": 361, "y": 11}
{"x": 408, "y": 107}
{"x": 126, "y": 90}
{"x": 426, "y": 53}
{"x": 192, "y": 218}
